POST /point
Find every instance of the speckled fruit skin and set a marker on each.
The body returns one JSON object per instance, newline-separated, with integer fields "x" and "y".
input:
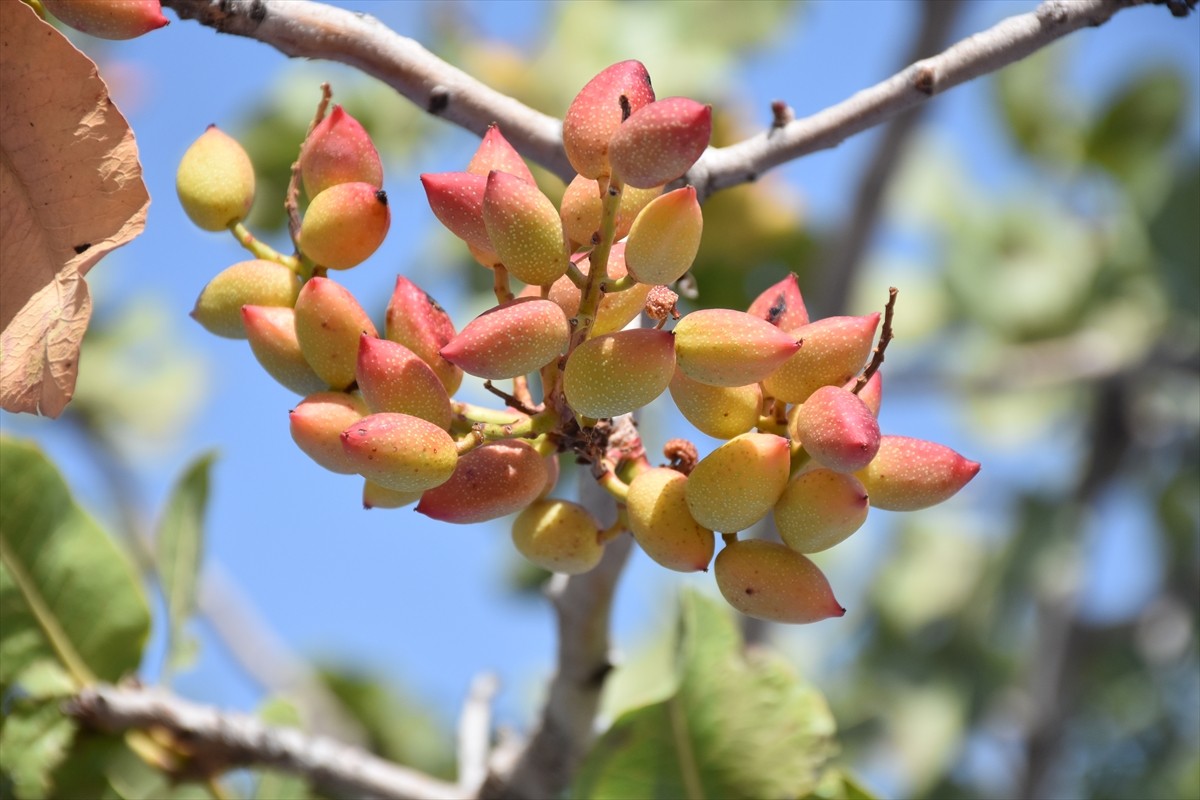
{"x": 417, "y": 321}
{"x": 339, "y": 150}
{"x": 871, "y": 393}
{"x": 456, "y": 199}
{"x": 616, "y": 310}
{"x": 618, "y": 372}
{"x": 317, "y": 424}
{"x": 399, "y": 452}
{"x": 345, "y": 224}
{"x": 835, "y": 350}
{"x": 581, "y": 208}
{"x": 495, "y": 153}
{"x": 215, "y": 181}
{"x": 109, "y": 19}
{"x": 665, "y": 238}
{"x": 510, "y": 340}
{"x": 489, "y": 482}
{"x": 660, "y": 141}
{"x": 247, "y": 283}
{"x": 770, "y": 581}
{"x": 719, "y": 411}
{"x": 820, "y": 508}
{"x": 595, "y": 114}
{"x": 910, "y": 474}
{"x": 663, "y": 526}
{"x": 781, "y": 305}
{"x": 559, "y": 536}
{"x": 837, "y": 429}
{"x": 722, "y": 347}
{"x": 329, "y": 323}
{"x": 735, "y": 485}
{"x": 376, "y": 496}
{"x": 271, "y": 331}
{"x": 524, "y": 229}
{"x": 393, "y": 378}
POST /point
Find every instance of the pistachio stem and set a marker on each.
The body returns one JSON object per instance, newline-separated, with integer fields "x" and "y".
{"x": 618, "y": 285}
{"x": 576, "y": 275}
{"x": 589, "y": 303}
{"x": 261, "y": 249}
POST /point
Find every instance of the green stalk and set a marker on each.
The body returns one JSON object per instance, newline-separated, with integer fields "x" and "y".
{"x": 597, "y": 275}
{"x": 261, "y": 249}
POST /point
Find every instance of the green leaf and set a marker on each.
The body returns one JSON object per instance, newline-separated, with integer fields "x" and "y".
{"x": 1135, "y": 128}
{"x": 275, "y": 785}
{"x": 739, "y": 725}
{"x": 103, "y": 766}
{"x": 837, "y": 785}
{"x": 180, "y": 543}
{"x": 1173, "y": 234}
{"x": 67, "y": 592}
{"x": 34, "y": 734}
{"x": 1041, "y": 116}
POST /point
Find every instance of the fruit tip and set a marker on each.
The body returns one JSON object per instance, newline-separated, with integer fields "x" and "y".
{"x": 381, "y": 196}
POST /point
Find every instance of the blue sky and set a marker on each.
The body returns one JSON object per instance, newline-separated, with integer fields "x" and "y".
{"x": 421, "y": 601}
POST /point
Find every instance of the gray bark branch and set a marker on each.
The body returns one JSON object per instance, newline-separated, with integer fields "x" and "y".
{"x": 228, "y": 739}
{"x": 301, "y": 28}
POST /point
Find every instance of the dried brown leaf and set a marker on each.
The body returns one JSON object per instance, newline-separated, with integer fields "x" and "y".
{"x": 71, "y": 190}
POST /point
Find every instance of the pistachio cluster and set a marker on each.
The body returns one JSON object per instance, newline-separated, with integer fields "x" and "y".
{"x": 795, "y": 399}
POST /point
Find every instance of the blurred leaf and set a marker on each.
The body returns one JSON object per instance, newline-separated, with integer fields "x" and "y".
{"x": 740, "y": 725}
{"x": 1133, "y": 131}
{"x": 72, "y": 192}
{"x": 275, "y": 785}
{"x": 932, "y": 574}
{"x": 396, "y": 728}
{"x": 34, "y": 733}
{"x": 1025, "y": 269}
{"x": 1173, "y": 235}
{"x": 104, "y": 767}
{"x": 58, "y": 571}
{"x": 179, "y": 548}
{"x": 837, "y": 785}
{"x": 1039, "y": 114}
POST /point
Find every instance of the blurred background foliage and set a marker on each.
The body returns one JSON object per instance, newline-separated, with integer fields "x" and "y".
{"x": 1060, "y": 320}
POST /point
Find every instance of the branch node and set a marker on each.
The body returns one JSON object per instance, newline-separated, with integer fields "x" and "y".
{"x": 439, "y": 100}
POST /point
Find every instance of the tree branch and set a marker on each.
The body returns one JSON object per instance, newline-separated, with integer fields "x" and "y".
{"x": 1004, "y": 43}
{"x": 582, "y": 605}
{"x": 224, "y": 740}
{"x": 301, "y": 28}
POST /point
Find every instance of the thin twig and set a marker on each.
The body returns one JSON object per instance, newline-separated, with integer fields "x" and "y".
{"x": 475, "y": 733}
{"x": 885, "y": 336}
{"x": 226, "y": 740}
{"x": 292, "y": 204}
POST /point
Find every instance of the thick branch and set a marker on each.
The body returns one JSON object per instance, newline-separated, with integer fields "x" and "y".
{"x": 227, "y": 740}
{"x": 306, "y": 29}
{"x": 300, "y": 28}
{"x": 1004, "y": 43}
